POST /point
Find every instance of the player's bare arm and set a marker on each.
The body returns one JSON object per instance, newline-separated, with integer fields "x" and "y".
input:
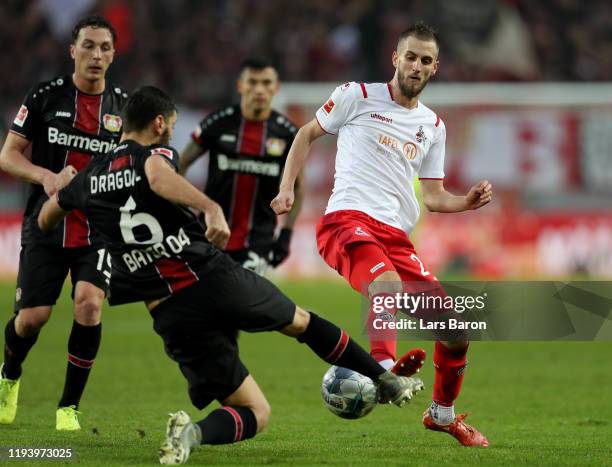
{"x": 437, "y": 199}
{"x": 51, "y": 214}
{"x": 284, "y": 201}
{"x": 188, "y": 156}
{"x": 65, "y": 177}
{"x": 299, "y": 192}
{"x": 165, "y": 182}
{"x": 14, "y": 161}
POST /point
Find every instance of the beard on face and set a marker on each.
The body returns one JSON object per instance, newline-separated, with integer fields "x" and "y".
{"x": 406, "y": 89}
{"x": 165, "y": 137}
{"x": 257, "y": 108}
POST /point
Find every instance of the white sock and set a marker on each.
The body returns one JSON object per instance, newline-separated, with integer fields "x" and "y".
{"x": 387, "y": 363}
{"x": 442, "y": 415}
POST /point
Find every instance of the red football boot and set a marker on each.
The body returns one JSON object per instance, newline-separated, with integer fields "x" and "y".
{"x": 464, "y": 433}
{"x": 409, "y": 363}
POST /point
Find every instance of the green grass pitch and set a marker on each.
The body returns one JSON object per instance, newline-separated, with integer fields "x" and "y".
{"x": 538, "y": 403}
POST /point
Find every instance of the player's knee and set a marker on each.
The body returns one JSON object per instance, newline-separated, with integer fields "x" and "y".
{"x": 301, "y": 319}
{"x": 30, "y": 320}
{"x": 88, "y": 311}
{"x": 262, "y": 414}
{"x": 88, "y": 307}
{"x": 388, "y": 282}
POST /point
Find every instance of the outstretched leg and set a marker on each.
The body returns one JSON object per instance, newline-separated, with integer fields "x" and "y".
{"x": 242, "y": 415}
{"x": 334, "y": 346}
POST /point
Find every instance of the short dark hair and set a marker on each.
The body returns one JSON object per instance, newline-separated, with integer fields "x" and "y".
{"x": 421, "y": 31}
{"x": 256, "y": 63}
{"x": 93, "y": 21}
{"x": 144, "y": 105}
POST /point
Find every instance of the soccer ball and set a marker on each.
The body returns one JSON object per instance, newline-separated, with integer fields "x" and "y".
{"x": 347, "y": 393}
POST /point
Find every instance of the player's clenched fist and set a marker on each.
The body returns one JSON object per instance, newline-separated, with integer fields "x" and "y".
{"x": 479, "y": 195}
{"x": 64, "y": 177}
{"x": 49, "y": 183}
{"x": 283, "y": 202}
{"x": 217, "y": 230}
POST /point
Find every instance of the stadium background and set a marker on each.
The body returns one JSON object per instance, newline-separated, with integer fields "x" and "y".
{"x": 524, "y": 91}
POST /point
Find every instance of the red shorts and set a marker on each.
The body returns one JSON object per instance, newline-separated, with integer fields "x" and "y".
{"x": 361, "y": 248}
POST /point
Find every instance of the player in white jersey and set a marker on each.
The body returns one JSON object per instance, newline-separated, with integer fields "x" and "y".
{"x": 386, "y": 137}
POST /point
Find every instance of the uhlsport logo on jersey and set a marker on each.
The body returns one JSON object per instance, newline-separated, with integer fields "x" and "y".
{"x": 382, "y": 118}
{"x": 329, "y": 106}
{"x": 21, "y": 116}
{"x": 275, "y": 146}
{"x": 112, "y": 122}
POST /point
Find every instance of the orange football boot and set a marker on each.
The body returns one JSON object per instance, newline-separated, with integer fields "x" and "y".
{"x": 462, "y": 432}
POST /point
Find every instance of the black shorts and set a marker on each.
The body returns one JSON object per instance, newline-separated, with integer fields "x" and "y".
{"x": 200, "y": 324}
{"x": 43, "y": 270}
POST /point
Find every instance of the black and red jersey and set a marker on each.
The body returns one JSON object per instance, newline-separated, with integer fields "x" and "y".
{"x": 245, "y": 168}
{"x": 66, "y": 127}
{"x": 156, "y": 247}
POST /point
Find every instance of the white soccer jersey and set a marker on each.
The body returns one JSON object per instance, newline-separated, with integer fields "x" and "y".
{"x": 382, "y": 146}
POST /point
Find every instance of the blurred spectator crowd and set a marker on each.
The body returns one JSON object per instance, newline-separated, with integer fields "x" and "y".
{"x": 193, "y": 47}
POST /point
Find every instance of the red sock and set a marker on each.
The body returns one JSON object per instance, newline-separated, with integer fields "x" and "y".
{"x": 383, "y": 342}
{"x": 449, "y": 366}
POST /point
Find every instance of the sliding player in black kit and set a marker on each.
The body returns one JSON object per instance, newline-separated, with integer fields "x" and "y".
{"x": 198, "y": 296}
{"x": 247, "y": 147}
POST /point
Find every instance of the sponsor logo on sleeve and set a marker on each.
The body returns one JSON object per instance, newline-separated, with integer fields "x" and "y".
{"x": 275, "y": 146}
{"x": 329, "y": 106}
{"x": 21, "y": 116}
{"x": 162, "y": 152}
{"x": 112, "y": 122}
